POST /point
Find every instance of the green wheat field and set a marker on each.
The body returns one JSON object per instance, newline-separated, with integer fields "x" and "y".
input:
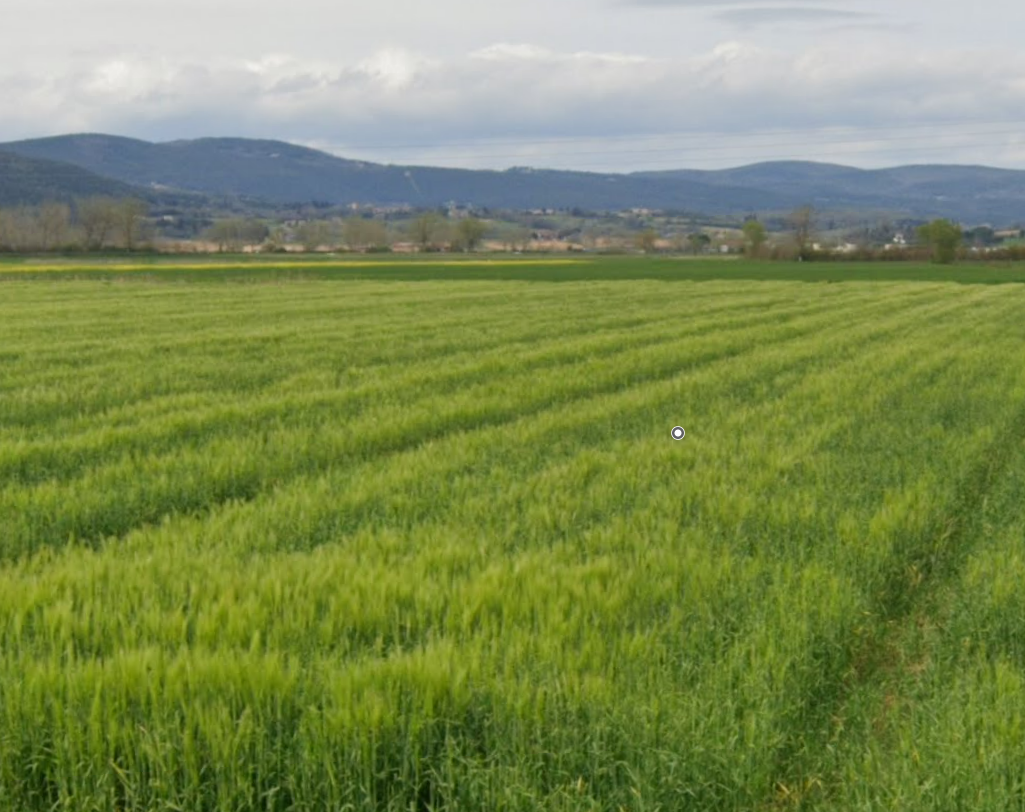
{"x": 415, "y": 536}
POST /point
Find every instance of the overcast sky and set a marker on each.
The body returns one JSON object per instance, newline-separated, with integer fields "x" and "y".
{"x": 591, "y": 84}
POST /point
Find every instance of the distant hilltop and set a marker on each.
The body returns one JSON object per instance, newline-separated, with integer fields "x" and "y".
{"x": 280, "y": 173}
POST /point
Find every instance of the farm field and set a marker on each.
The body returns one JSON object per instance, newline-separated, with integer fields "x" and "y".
{"x": 415, "y": 536}
{"x": 483, "y": 267}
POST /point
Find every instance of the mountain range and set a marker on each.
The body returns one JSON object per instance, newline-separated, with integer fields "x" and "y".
{"x": 279, "y": 173}
{"x": 30, "y": 181}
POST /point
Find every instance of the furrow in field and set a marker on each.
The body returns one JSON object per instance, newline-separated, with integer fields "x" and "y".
{"x": 566, "y": 603}
{"x": 32, "y": 461}
{"x": 221, "y": 317}
{"x": 338, "y": 606}
{"x": 194, "y": 480}
{"x": 811, "y": 679}
{"x": 334, "y": 344}
{"x": 577, "y": 428}
{"x": 258, "y": 366}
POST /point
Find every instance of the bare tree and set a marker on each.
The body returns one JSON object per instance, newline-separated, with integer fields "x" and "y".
{"x": 234, "y": 233}
{"x": 647, "y": 240}
{"x": 362, "y": 233}
{"x": 53, "y": 220}
{"x": 426, "y": 230}
{"x": 316, "y": 234}
{"x": 275, "y": 240}
{"x": 802, "y": 221}
{"x": 97, "y": 216}
{"x": 469, "y": 233}
{"x": 224, "y": 234}
{"x": 130, "y": 223}
{"x": 517, "y": 238}
{"x": 17, "y": 230}
{"x": 6, "y": 231}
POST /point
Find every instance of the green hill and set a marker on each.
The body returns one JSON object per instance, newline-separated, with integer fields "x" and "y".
{"x": 30, "y": 181}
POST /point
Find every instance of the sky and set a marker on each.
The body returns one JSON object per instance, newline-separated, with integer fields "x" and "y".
{"x": 595, "y": 85}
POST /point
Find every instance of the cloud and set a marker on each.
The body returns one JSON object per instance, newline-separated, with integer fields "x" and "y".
{"x": 513, "y": 103}
{"x": 755, "y": 17}
{"x": 750, "y": 14}
{"x": 754, "y": 13}
{"x": 520, "y": 52}
{"x": 714, "y": 4}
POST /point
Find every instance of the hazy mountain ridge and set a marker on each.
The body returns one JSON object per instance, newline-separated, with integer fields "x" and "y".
{"x": 957, "y": 191}
{"x": 285, "y": 173}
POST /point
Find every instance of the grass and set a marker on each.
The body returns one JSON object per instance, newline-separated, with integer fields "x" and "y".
{"x": 411, "y": 536}
{"x": 535, "y": 268}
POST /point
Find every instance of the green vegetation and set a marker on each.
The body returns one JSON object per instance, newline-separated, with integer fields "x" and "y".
{"x": 943, "y": 238}
{"x": 414, "y": 536}
{"x": 532, "y": 268}
{"x": 754, "y": 238}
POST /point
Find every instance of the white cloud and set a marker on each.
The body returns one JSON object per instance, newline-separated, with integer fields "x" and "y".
{"x": 524, "y": 52}
{"x": 746, "y": 18}
{"x": 394, "y": 69}
{"x": 521, "y": 103}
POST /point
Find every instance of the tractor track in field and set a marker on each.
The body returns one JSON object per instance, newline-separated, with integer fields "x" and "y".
{"x": 908, "y": 598}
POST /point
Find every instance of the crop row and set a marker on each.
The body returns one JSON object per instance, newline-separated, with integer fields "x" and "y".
{"x": 491, "y": 580}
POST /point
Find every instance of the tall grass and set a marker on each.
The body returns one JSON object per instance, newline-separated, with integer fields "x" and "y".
{"x": 397, "y": 545}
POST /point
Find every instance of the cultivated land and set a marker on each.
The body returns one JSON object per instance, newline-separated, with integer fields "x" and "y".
{"x": 415, "y": 537}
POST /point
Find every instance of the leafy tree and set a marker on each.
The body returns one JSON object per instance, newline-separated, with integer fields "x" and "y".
{"x": 943, "y": 237}
{"x": 981, "y": 236}
{"x": 698, "y": 241}
{"x": 754, "y": 237}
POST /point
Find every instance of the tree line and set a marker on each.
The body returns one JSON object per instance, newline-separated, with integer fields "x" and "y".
{"x": 429, "y": 231}
{"x": 90, "y": 224}
{"x": 940, "y": 240}
{"x": 106, "y": 223}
